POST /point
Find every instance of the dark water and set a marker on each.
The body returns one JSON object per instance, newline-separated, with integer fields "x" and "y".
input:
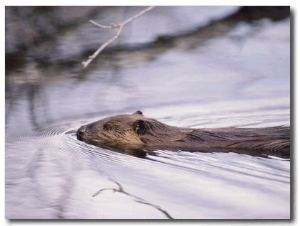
{"x": 238, "y": 79}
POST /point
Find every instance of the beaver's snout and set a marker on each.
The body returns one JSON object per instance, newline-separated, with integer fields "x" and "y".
{"x": 81, "y": 133}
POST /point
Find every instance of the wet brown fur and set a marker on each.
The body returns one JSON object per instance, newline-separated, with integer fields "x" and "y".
{"x": 137, "y": 135}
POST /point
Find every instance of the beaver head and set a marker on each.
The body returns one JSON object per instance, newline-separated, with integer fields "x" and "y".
{"x": 125, "y": 132}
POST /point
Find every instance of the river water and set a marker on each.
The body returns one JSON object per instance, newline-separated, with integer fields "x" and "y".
{"x": 241, "y": 78}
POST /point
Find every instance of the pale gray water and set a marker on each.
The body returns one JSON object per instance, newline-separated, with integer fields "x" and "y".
{"x": 239, "y": 79}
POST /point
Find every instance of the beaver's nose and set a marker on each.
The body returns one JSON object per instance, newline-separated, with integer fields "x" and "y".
{"x": 81, "y": 132}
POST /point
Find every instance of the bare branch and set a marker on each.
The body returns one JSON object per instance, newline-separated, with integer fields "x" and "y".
{"x": 101, "y": 26}
{"x": 120, "y": 27}
{"x": 139, "y": 14}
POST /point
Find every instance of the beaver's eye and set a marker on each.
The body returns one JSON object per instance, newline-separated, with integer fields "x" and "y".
{"x": 139, "y": 127}
{"x": 107, "y": 126}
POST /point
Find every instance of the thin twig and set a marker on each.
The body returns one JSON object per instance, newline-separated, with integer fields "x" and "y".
{"x": 120, "y": 27}
{"x": 137, "y": 199}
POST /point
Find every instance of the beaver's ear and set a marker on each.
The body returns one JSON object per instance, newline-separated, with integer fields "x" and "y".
{"x": 139, "y": 127}
{"x": 138, "y": 112}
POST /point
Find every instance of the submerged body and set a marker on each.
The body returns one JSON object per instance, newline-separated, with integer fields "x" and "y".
{"x": 137, "y": 135}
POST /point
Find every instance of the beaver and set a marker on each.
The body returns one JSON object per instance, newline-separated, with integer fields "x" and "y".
{"x": 137, "y": 135}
